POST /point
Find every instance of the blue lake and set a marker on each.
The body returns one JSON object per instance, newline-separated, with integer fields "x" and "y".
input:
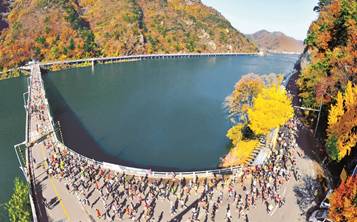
{"x": 159, "y": 114}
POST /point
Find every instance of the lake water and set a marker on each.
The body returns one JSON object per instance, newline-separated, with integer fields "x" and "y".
{"x": 12, "y": 131}
{"x": 158, "y": 114}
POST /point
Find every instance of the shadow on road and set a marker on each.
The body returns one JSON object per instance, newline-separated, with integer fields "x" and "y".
{"x": 179, "y": 216}
{"x": 309, "y": 194}
{"x": 39, "y": 203}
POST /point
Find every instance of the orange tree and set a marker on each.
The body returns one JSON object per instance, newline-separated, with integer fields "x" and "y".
{"x": 331, "y": 43}
{"x": 245, "y": 90}
{"x": 344, "y": 202}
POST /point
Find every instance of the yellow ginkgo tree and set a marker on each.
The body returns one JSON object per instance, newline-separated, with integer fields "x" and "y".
{"x": 271, "y": 108}
{"x": 264, "y": 104}
{"x": 342, "y": 122}
{"x": 235, "y": 134}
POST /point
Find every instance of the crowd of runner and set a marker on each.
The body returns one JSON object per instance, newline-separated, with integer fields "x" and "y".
{"x": 115, "y": 196}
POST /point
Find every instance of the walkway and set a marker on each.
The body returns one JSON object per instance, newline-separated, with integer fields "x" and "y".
{"x": 65, "y": 207}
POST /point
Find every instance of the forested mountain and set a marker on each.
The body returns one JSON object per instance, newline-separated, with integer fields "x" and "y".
{"x": 62, "y": 29}
{"x": 276, "y": 42}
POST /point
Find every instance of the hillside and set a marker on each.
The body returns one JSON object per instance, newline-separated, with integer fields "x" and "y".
{"x": 59, "y": 29}
{"x": 327, "y": 79}
{"x": 276, "y": 41}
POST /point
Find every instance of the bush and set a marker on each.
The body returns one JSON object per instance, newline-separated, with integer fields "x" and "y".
{"x": 331, "y": 147}
{"x": 18, "y": 207}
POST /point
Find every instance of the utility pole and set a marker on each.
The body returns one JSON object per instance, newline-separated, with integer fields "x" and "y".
{"x": 354, "y": 171}
{"x": 314, "y": 110}
{"x": 318, "y": 120}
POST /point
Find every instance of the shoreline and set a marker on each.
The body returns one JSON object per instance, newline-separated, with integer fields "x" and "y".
{"x": 85, "y": 62}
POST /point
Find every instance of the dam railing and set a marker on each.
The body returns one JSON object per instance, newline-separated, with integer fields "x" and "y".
{"x": 139, "y": 57}
{"x": 132, "y": 170}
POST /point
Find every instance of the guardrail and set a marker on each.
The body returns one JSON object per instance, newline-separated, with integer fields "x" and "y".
{"x": 142, "y": 57}
{"x": 28, "y": 170}
{"x": 287, "y": 77}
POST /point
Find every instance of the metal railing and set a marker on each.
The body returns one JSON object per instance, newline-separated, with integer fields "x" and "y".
{"x": 25, "y": 164}
{"x": 143, "y": 57}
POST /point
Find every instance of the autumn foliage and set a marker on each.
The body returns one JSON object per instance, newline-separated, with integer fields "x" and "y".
{"x": 342, "y": 124}
{"x": 271, "y": 109}
{"x": 44, "y": 30}
{"x": 332, "y": 52}
{"x": 235, "y": 134}
{"x": 343, "y": 202}
{"x": 259, "y": 103}
{"x": 69, "y": 29}
{"x": 241, "y": 152}
{"x": 331, "y": 44}
{"x": 245, "y": 90}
